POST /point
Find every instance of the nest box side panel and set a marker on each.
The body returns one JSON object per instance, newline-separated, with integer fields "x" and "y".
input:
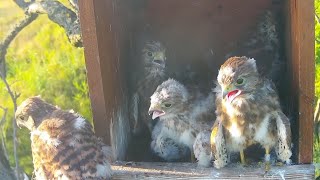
{"x": 104, "y": 39}
{"x": 300, "y": 52}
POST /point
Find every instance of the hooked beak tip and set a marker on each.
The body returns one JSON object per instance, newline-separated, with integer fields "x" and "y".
{"x": 19, "y": 125}
{"x": 224, "y": 94}
{"x": 160, "y": 62}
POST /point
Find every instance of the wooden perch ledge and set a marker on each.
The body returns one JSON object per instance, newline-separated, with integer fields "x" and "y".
{"x": 160, "y": 170}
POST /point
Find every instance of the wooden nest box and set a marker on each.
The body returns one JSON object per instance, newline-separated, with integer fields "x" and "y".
{"x": 200, "y": 33}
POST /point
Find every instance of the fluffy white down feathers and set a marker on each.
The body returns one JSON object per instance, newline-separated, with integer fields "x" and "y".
{"x": 183, "y": 118}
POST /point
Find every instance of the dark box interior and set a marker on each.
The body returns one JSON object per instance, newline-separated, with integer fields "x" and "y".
{"x": 200, "y": 35}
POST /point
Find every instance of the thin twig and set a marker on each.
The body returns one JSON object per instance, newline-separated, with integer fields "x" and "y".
{"x": 2, "y": 121}
{"x": 9, "y": 38}
{"x": 317, "y": 120}
{"x": 317, "y": 18}
{"x": 318, "y": 21}
{"x": 14, "y": 96}
{"x": 4, "y": 115}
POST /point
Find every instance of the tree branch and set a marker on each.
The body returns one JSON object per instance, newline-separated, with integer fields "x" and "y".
{"x": 8, "y": 39}
{"x": 62, "y": 16}
{"x": 22, "y": 4}
{"x": 4, "y": 115}
{"x": 6, "y": 172}
{"x": 14, "y": 96}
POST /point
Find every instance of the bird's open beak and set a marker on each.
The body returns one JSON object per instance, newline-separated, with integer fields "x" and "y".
{"x": 18, "y": 124}
{"x": 230, "y": 93}
{"x": 160, "y": 58}
{"x": 156, "y": 112}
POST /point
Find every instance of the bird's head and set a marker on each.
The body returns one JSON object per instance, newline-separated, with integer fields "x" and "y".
{"x": 154, "y": 55}
{"x": 238, "y": 76}
{"x": 169, "y": 99}
{"x": 31, "y": 112}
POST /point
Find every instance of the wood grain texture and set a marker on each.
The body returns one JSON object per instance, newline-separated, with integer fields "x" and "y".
{"x": 123, "y": 170}
{"x": 96, "y": 57}
{"x": 105, "y": 38}
{"x": 102, "y": 35}
{"x": 300, "y": 47}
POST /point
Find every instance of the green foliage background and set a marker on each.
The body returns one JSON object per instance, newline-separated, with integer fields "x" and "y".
{"x": 40, "y": 61}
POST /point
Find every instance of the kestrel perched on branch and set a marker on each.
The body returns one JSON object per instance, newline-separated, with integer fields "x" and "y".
{"x": 63, "y": 143}
{"x": 184, "y": 117}
{"x": 248, "y": 112}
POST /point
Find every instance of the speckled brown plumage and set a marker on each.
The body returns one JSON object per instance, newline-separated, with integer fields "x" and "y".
{"x": 63, "y": 143}
{"x": 248, "y": 112}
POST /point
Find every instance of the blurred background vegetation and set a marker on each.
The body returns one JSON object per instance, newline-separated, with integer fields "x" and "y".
{"x": 41, "y": 61}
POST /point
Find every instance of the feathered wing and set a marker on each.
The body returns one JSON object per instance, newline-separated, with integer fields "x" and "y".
{"x": 64, "y": 146}
{"x": 134, "y": 111}
{"x": 218, "y": 146}
{"x": 204, "y": 115}
{"x": 145, "y": 90}
{"x": 169, "y": 150}
{"x": 165, "y": 147}
{"x": 201, "y": 149}
{"x": 283, "y": 148}
{"x": 203, "y": 110}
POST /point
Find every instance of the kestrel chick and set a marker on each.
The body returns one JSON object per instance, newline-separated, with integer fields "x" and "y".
{"x": 63, "y": 143}
{"x": 182, "y": 116}
{"x": 149, "y": 73}
{"x": 152, "y": 72}
{"x": 248, "y": 112}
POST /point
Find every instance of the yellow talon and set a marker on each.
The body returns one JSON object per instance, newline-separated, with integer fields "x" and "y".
{"x": 267, "y": 160}
{"x": 193, "y": 158}
{"x": 279, "y": 164}
{"x": 267, "y": 150}
{"x": 243, "y": 161}
{"x": 268, "y": 166}
{"x": 213, "y": 136}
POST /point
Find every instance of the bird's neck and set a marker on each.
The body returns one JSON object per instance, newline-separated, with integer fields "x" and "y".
{"x": 154, "y": 72}
{"x": 176, "y": 118}
{"x": 182, "y": 114}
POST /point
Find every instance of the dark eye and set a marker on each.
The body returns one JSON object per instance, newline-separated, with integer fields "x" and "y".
{"x": 167, "y": 105}
{"x": 240, "y": 81}
{"x": 21, "y": 118}
{"x": 149, "y": 54}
